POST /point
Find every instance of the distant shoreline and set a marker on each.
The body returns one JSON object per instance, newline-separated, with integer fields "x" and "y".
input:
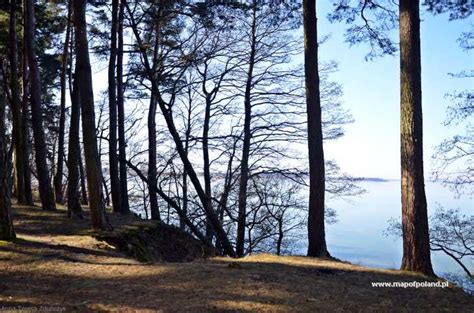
{"x": 376, "y": 179}
{"x": 387, "y": 180}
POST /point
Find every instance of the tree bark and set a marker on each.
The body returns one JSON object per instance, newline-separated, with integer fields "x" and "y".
{"x": 416, "y": 244}
{"x": 73, "y": 198}
{"x": 6, "y": 223}
{"x": 152, "y": 179}
{"x": 16, "y": 108}
{"x": 77, "y": 147}
{"x": 25, "y": 130}
{"x": 206, "y": 161}
{"x": 58, "y": 177}
{"x": 244, "y": 163}
{"x": 316, "y": 233}
{"x": 74, "y": 205}
{"x": 84, "y": 75}
{"x": 113, "y": 157}
{"x": 125, "y": 206}
{"x": 45, "y": 188}
{"x": 152, "y": 174}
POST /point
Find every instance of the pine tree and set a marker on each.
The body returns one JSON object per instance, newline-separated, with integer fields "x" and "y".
{"x": 45, "y": 188}
{"x": 416, "y": 241}
{"x": 316, "y": 233}
{"x": 84, "y": 76}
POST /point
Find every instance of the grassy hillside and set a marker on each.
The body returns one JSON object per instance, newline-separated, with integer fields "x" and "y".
{"x": 58, "y": 263}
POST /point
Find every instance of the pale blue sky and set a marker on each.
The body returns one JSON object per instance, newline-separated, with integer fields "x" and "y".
{"x": 371, "y": 92}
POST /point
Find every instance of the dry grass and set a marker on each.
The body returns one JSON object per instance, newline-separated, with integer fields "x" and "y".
{"x": 61, "y": 265}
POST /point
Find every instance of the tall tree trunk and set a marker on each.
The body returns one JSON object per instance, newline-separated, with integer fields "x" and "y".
{"x": 58, "y": 177}
{"x": 187, "y": 137}
{"x": 73, "y": 202}
{"x": 206, "y": 161}
{"x": 25, "y": 129}
{"x": 113, "y": 158}
{"x": 77, "y": 144}
{"x": 152, "y": 175}
{"x": 244, "y": 163}
{"x": 416, "y": 243}
{"x": 16, "y": 107}
{"x": 45, "y": 188}
{"x": 316, "y": 233}
{"x": 84, "y": 75}
{"x": 125, "y": 207}
{"x": 6, "y": 223}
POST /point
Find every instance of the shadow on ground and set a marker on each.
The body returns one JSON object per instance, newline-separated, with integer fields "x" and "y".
{"x": 61, "y": 269}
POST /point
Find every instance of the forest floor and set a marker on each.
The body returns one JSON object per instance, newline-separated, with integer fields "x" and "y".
{"x": 56, "y": 265}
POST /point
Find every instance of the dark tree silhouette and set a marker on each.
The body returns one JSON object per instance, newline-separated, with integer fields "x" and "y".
{"x": 45, "y": 188}
{"x": 25, "y": 128}
{"x": 165, "y": 107}
{"x": 73, "y": 196}
{"x": 19, "y": 173}
{"x": 58, "y": 177}
{"x": 6, "y": 224}
{"x": 124, "y": 203}
{"x": 113, "y": 156}
{"x": 316, "y": 233}
{"x": 84, "y": 76}
{"x": 244, "y": 162}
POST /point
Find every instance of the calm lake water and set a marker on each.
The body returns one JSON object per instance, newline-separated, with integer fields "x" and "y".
{"x": 358, "y": 236}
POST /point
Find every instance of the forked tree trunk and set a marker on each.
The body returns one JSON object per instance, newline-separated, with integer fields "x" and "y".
{"x": 244, "y": 163}
{"x": 45, "y": 188}
{"x": 416, "y": 244}
{"x": 188, "y": 167}
{"x": 316, "y": 233}
{"x": 84, "y": 76}
{"x": 77, "y": 121}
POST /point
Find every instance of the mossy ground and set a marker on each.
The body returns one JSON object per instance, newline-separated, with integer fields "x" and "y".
{"x": 56, "y": 263}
